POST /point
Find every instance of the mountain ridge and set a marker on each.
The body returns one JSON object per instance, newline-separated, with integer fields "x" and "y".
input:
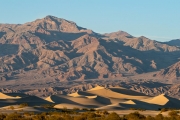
{"x": 62, "y": 50}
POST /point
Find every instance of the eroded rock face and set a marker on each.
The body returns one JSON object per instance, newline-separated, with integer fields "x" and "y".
{"x": 171, "y": 72}
{"x": 58, "y": 48}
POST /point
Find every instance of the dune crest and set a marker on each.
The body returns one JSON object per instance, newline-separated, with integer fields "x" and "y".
{"x": 4, "y": 96}
{"x": 76, "y": 94}
{"x": 117, "y": 93}
{"x": 159, "y": 100}
{"x": 113, "y": 98}
{"x": 129, "y": 102}
{"x": 97, "y": 88}
{"x": 49, "y": 99}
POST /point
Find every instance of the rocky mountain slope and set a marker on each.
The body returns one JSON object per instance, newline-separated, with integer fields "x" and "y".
{"x": 60, "y": 49}
{"x": 171, "y": 72}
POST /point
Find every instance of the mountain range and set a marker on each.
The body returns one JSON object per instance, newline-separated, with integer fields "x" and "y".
{"x": 59, "y": 49}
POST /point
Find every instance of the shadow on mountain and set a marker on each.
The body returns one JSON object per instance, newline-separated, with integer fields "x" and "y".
{"x": 56, "y": 35}
{"x": 128, "y": 54}
{"x": 153, "y": 84}
{"x": 175, "y": 42}
{"x": 8, "y": 49}
{"x": 2, "y": 33}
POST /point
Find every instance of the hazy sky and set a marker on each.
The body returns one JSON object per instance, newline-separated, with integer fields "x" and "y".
{"x": 155, "y": 19}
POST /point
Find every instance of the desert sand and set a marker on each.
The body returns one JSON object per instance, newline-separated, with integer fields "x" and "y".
{"x": 4, "y": 96}
{"x": 113, "y": 99}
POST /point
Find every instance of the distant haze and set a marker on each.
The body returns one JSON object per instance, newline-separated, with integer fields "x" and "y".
{"x": 158, "y": 20}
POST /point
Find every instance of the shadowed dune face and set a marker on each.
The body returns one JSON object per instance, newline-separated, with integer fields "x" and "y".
{"x": 116, "y": 93}
{"x": 16, "y": 98}
{"x": 127, "y": 92}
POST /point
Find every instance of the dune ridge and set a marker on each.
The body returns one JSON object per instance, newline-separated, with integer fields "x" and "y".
{"x": 113, "y": 98}
{"x": 4, "y": 96}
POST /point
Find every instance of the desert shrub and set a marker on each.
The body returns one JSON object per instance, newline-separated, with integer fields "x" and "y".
{"x": 159, "y": 117}
{"x": 67, "y": 117}
{"x": 27, "y": 114}
{"x": 44, "y": 113}
{"x": 23, "y": 105}
{"x": 139, "y": 109}
{"x": 2, "y": 116}
{"x": 92, "y": 109}
{"x": 91, "y": 115}
{"x": 39, "y": 117}
{"x": 54, "y": 113}
{"x": 75, "y": 108}
{"x": 135, "y": 116}
{"x": 173, "y": 113}
{"x": 164, "y": 109}
{"x": 113, "y": 116}
{"x": 64, "y": 109}
{"x": 80, "y": 118}
{"x": 85, "y": 109}
{"x": 105, "y": 112}
{"x": 132, "y": 108}
{"x": 48, "y": 106}
{"x": 149, "y": 118}
{"x": 55, "y": 118}
{"x": 11, "y": 107}
{"x": 13, "y": 116}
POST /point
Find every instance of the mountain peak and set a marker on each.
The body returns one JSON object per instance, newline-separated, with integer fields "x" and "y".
{"x": 52, "y": 23}
{"x": 118, "y": 34}
{"x": 50, "y": 16}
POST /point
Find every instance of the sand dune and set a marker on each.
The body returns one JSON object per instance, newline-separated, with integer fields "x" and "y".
{"x": 76, "y": 94}
{"x": 126, "y": 91}
{"x": 159, "y": 100}
{"x": 8, "y": 109}
{"x": 96, "y": 88}
{"x": 80, "y": 101}
{"x": 69, "y": 106}
{"x": 109, "y": 93}
{"x": 113, "y": 98}
{"x": 49, "y": 99}
{"x": 129, "y": 102}
{"x": 4, "y": 96}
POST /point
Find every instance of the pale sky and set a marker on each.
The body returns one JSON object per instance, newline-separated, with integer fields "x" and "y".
{"x": 155, "y": 19}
